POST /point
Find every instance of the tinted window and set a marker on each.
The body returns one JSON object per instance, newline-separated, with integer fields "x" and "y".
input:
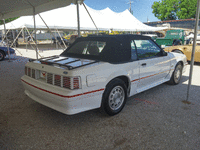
{"x": 147, "y": 49}
{"x": 133, "y": 51}
{"x": 107, "y": 49}
{"x": 87, "y": 48}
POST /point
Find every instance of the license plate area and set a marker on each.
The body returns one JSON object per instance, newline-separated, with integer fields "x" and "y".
{"x": 43, "y": 75}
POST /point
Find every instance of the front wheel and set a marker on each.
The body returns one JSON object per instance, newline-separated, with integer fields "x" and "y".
{"x": 114, "y": 97}
{"x": 177, "y": 74}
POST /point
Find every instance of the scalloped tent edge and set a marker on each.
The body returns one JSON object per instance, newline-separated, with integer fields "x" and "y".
{"x": 105, "y": 19}
{"x": 10, "y": 8}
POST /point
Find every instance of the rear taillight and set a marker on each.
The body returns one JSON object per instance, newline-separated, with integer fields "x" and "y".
{"x": 76, "y": 83}
{"x": 29, "y": 72}
{"x": 33, "y": 73}
{"x": 57, "y": 80}
{"x": 67, "y": 82}
{"x": 71, "y": 82}
{"x": 49, "y": 78}
{"x": 54, "y": 79}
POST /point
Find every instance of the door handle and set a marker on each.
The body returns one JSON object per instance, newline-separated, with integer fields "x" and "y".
{"x": 144, "y": 64}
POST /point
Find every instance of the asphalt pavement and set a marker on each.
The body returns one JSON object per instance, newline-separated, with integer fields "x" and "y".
{"x": 156, "y": 119}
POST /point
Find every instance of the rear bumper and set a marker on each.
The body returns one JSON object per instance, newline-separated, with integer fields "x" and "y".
{"x": 65, "y": 101}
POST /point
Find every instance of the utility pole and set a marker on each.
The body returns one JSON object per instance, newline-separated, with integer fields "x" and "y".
{"x": 130, "y": 2}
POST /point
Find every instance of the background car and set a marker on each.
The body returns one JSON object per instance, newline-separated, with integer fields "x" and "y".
{"x": 60, "y": 40}
{"x": 185, "y": 49}
{"x": 4, "y": 50}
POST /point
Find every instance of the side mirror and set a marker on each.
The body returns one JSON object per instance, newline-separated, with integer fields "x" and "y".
{"x": 164, "y": 53}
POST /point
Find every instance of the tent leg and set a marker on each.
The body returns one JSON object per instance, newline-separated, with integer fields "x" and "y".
{"x": 193, "y": 49}
{"x": 13, "y": 34}
{"x": 91, "y": 18}
{"x": 5, "y": 36}
{"x": 17, "y": 37}
{"x": 78, "y": 18}
{"x": 35, "y": 33}
{"x": 50, "y": 30}
{"x": 6, "y": 39}
{"x": 32, "y": 40}
{"x": 56, "y": 42}
{"x": 61, "y": 39}
{"x": 15, "y": 40}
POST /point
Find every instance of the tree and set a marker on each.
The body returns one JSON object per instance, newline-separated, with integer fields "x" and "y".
{"x": 8, "y": 20}
{"x": 174, "y": 9}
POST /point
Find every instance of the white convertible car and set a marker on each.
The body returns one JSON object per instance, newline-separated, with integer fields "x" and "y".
{"x": 101, "y": 71}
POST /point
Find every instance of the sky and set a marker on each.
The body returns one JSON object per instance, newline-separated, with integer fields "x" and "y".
{"x": 141, "y": 8}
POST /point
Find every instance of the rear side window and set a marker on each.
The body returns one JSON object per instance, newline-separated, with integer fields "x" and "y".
{"x": 87, "y": 48}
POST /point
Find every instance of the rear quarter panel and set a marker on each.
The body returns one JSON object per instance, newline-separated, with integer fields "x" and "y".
{"x": 105, "y": 72}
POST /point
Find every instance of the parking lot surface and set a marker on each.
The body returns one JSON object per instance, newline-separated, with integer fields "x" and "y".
{"x": 154, "y": 119}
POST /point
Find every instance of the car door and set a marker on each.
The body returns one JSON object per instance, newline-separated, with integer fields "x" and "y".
{"x": 154, "y": 66}
{"x": 135, "y": 68}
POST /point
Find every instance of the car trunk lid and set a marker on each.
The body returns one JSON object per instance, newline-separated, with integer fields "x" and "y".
{"x": 65, "y": 62}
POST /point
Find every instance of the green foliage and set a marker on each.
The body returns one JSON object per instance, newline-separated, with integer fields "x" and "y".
{"x": 8, "y": 20}
{"x": 174, "y": 9}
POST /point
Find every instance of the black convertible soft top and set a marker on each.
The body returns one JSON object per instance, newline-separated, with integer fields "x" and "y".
{"x": 117, "y": 49}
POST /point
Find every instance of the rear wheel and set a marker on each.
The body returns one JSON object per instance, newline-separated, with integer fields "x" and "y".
{"x": 114, "y": 97}
{"x": 2, "y": 56}
{"x": 177, "y": 74}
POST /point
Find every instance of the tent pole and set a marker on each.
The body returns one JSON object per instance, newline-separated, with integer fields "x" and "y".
{"x": 61, "y": 39}
{"x": 15, "y": 40}
{"x": 32, "y": 40}
{"x": 5, "y": 36}
{"x": 13, "y": 34}
{"x": 6, "y": 39}
{"x": 17, "y": 37}
{"x": 193, "y": 49}
{"x": 35, "y": 33}
{"x": 91, "y": 18}
{"x": 50, "y": 30}
{"x": 78, "y": 19}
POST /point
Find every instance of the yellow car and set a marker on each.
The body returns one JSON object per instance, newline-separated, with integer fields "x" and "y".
{"x": 187, "y": 50}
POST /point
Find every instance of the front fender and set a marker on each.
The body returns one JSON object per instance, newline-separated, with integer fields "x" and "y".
{"x": 175, "y": 58}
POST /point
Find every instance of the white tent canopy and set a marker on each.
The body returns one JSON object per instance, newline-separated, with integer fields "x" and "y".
{"x": 65, "y": 18}
{"x": 16, "y": 8}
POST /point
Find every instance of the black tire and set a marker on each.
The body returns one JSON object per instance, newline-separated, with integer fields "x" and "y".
{"x": 177, "y": 74}
{"x": 2, "y": 56}
{"x": 178, "y": 51}
{"x": 114, "y": 97}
